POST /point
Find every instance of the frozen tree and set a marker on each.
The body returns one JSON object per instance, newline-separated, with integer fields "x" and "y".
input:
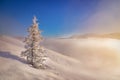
{"x": 34, "y": 53}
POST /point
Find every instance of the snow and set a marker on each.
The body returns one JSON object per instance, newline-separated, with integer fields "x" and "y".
{"x": 68, "y": 59}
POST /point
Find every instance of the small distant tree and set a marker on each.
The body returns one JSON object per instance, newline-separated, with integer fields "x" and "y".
{"x": 34, "y": 53}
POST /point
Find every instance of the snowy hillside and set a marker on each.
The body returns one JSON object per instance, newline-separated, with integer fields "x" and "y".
{"x": 68, "y": 59}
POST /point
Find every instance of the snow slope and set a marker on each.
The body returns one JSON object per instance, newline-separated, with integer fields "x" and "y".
{"x": 68, "y": 59}
{"x": 89, "y": 50}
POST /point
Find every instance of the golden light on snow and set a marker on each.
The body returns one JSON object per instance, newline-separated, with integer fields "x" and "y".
{"x": 93, "y": 58}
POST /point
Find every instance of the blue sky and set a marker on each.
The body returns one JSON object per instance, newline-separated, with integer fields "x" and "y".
{"x": 55, "y": 17}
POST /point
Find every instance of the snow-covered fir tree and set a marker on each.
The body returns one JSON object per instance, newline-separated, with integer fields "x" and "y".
{"x": 34, "y": 53}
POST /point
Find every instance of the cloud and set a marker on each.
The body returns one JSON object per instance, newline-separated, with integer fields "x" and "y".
{"x": 106, "y": 18}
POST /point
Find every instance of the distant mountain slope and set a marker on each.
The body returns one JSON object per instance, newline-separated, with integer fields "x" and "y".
{"x": 111, "y": 35}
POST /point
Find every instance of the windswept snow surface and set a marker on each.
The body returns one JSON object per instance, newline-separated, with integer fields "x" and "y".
{"x": 68, "y": 59}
